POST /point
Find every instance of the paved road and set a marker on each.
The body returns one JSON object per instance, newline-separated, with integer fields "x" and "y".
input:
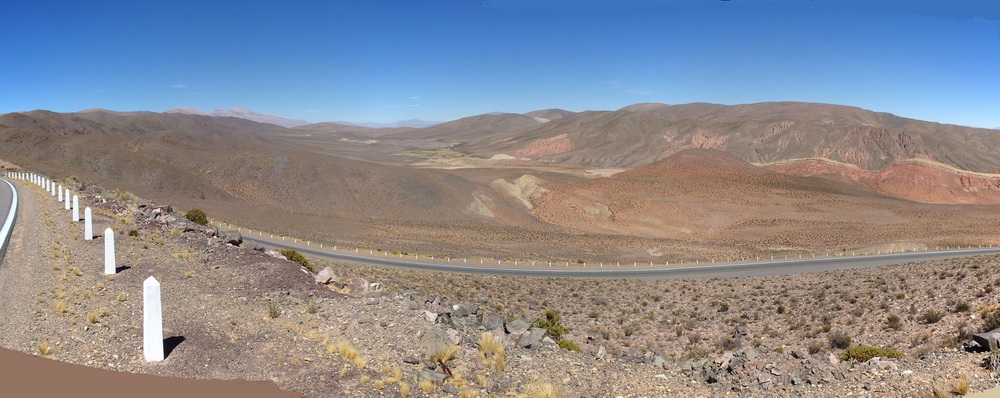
{"x": 8, "y": 209}
{"x": 728, "y": 270}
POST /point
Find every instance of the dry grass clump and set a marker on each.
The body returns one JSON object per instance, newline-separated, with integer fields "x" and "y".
{"x": 961, "y": 386}
{"x": 348, "y": 352}
{"x": 542, "y": 390}
{"x": 44, "y": 349}
{"x": 427, "y": 385}
{"x": 492, "y": 352}
{"x": 442, "y": 352}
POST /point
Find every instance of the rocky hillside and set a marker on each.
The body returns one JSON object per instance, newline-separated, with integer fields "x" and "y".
{"x": 233, "y": 310}
{"x": 765, "y": 132}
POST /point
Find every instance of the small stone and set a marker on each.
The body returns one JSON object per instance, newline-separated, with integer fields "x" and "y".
{"x": 430, "y": 316}
{"x": 660, "y": 376}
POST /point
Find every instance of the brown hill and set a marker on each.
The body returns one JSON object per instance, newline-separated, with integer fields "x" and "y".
{"x": 550, "y": 114}
{"x": 710, "y": 196}
{"x": 480, "y": 127}
{"x": 916, "y": 180}
{"x": 765, "y": 132}
{"x": 323, "y": 185}
{"x": 236, "y": 169}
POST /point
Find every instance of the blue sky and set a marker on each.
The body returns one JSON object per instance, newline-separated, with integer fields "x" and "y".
{"x": 382, "y": 61}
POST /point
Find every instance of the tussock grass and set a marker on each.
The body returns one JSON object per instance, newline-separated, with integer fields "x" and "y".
{"x": 961, "y": 386}
{"x": 542, "y": 390}
{"x": 44, "y": 349}
{"x": 492, "y": 352}
{"x": 427, "y": 385}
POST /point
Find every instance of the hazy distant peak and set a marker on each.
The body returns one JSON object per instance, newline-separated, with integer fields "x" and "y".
{"x": 415, "y": 123}
{"x": 243, "y": 113}
{"x": 646, "y": 106}
{"x": 550, "y": 114}
{"x": 186, "y": 111}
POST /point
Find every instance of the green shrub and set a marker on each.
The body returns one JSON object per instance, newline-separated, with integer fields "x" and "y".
{"x": 294, "y": 255}
{"x": 863, "y": 353}
{"x": 568, "y": 345}
{"x": 893, "y": 322}
{"x": 273, "y": 310}
{"x": 197, "y": 216}
{"x": 991, "y": 319}
{"x": 552, "y": 324}
{"x": 932, "y": 316}
{"x": 839, "y": 340}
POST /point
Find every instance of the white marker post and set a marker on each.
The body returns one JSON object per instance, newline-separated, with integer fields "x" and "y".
{"x": 67, "y": 199}
{"x": 60, "y": 193}
{"x": 76, "y": 208}
{"x": 88, "y": 225}
{"x": 109, "y": 252}
{"x": 152, "y": 321}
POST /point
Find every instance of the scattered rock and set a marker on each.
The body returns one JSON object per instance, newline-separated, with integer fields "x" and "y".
{"x": 464, "y": 309}
{"x": 988, "y": 340}
{"x": 430, "y": 316}
{"x": 454, "y": 336}
{"x": 517, "y": 327}
{"x": 326, "y": 276}
{"x": 233, "y": 238}
{"x": 493, "y": 322}
{"x": 358, "y": 286}
{"x": 532, "y": 339}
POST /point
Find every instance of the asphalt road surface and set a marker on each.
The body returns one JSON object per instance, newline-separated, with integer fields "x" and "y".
{"x": 690, "y": 271}
{"x": 6, "y": 214}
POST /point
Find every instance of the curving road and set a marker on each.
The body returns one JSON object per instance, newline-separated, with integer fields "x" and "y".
{"x": 726, "y": 270}
{"x": 8, "y": 211}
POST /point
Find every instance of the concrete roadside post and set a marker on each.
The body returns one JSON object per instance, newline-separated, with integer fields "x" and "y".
{"x": 152, "y": 321}
{"x": 88, "y": 224}
{"x": 76, "y": 208}
{"x": 109, "y": 252}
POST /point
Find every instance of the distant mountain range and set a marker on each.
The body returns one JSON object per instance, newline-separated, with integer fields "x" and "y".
{"x": 247, "y": 114}
{"x": 696, "y": 173}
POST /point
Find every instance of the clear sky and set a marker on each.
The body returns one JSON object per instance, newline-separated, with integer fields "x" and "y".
{"x": 382, "y": 61}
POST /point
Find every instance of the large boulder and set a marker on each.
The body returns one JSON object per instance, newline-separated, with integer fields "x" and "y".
{"x": 988, "y": 340}
{"x": 359, "y": 286}
{"x": 464, "y": 309}
{"x": 326, "y": 276}
{"x": 233, "y": 238}
{"x": 493, "y": 322}
{"x": 517, "y": 326}
{"x": 532, "y": 339}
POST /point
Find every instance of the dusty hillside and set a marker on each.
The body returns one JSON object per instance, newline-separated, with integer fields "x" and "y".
{"x": 237, "y": 312}
{"x": 711, "y": 196}
{"x": 355, "y": 188}
{"x": 765, "y": 132}
{"x": 917, "y": 180}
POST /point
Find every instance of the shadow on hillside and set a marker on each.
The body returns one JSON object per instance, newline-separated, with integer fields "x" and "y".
{"x": 170, "y": 343}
